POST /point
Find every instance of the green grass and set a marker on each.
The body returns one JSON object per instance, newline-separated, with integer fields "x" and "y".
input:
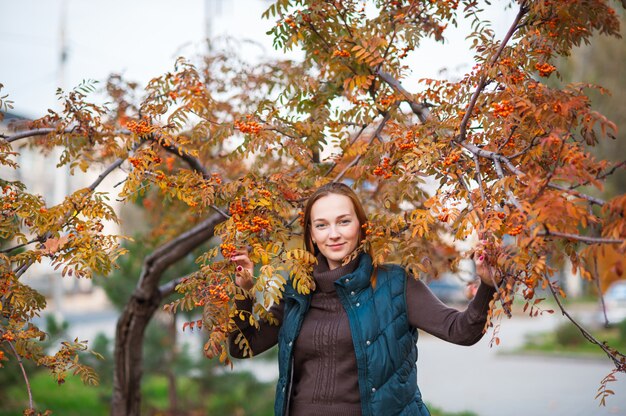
{"x": 72, "y": 398}
{"x": 567, "y": 339}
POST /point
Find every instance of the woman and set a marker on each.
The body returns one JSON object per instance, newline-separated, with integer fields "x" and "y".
{"x": 349, "y": 348}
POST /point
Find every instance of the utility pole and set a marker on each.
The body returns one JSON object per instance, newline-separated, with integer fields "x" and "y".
{"x": 61, "y": 175}
{"x": 212, "y": 9}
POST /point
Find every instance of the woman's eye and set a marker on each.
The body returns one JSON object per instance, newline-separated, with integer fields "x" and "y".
{"x": 344, "y": 222}
{"x": 320, "y": 226}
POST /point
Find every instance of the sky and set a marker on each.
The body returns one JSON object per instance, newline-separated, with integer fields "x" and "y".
{"x": 141, "y": 39}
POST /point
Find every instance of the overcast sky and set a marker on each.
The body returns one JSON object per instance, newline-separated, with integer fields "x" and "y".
{"x": 142, "y": 38}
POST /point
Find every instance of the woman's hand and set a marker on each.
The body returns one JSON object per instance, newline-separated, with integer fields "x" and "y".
{"x": 485, "y": 272}
{"x": 244, "y": 270}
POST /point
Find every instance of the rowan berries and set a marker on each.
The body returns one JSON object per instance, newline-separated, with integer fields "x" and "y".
{"x": 218, "y": 293}
{"x": 8, "y": 336}
{"x": 545, "y": 69}
{"x": 515, "y": 230}
{"x": 342, "y": 53}
{"x": 134, "y": 161}
{"x": 216, "y": 178}
{"x": 248, "y": 127}
{"x": 502, "y": 109}
{"x": 384, "y": 169}
{"x": 141, "y": 128}
{"x": 228, "y": 250}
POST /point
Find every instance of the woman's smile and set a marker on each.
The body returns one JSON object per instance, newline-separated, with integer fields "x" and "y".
{"x": 335, "y": 228}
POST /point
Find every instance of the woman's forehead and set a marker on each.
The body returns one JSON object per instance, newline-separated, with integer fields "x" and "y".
{"x": 332, "y": 206}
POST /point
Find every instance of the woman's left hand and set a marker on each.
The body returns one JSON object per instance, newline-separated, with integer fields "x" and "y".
{"x": 486, "y": 273}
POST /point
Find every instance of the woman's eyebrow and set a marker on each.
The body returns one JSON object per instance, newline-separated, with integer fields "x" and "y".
{"x": 337, "y": 217}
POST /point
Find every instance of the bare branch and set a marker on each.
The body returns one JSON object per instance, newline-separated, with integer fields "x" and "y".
{"x": 483, "y": 81}
{"x": 420, "y": 110}
{"x": 582, "y": 238}
{"x": 603, "y": 175}
{"x": 592, "y": 199}
{"x": 170, "y": 287}
{"x": 45, "y": 131}
{"x": 514, "y": 201}
{"x": 20, "y": 363}
{"x": 190, "y": 160}
{"x": 354, "y": 139}
{"x": 172, "y": 251}
{"x": 616, "y": 356}
{"x": 104, "y": 174}
{"x": 479, "y": 178}
{"x": 376, "y": 134}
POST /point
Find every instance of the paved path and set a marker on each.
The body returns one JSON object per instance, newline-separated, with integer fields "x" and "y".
{"x": 490, "y": 382}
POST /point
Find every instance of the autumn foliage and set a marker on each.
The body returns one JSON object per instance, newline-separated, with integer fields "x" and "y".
{"x": 501, "y": 153}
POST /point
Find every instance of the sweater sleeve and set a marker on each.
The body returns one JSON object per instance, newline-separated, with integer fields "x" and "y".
{"x": 261, "y": 339}
{"x": 428, "y": 313}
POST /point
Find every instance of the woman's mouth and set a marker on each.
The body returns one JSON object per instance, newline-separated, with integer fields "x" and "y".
{"x": 335, "y": 246}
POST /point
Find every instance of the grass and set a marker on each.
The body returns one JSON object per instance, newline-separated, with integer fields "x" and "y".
{"x": 567, "y": 339}
{"x": 73, "y": 398}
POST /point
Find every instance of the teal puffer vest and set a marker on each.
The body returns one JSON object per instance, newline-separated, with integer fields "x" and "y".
{"x": 384, "y": 342}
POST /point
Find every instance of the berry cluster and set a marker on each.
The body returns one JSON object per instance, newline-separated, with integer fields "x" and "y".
{"x": 216, "y": 178}
{"x": 140, "y": 129}
{"x": 515, "y": 230}
{"x": 8, "y": 336}
{"x": 228, "y": 250}
{"x": 249, "y": 126}
{"x": 10, "y": 198}
{"x": 239, "y": 208}
{"x": 384, "y": 169}
{"x": 387, "y": 100}
{"x": 545, "y": 69}
{"x": 342, "y": 53}
{"x": 256, "y": 225}
{"x": 136, "y": 162}
{"x": 444, "y": 216}
{"x": 502, "y": 109}
{"x": 217, "y": 293}
{"x": 368, "y": 228}
{"x": 451, "y": 159}
{"x": 406, "y": 146}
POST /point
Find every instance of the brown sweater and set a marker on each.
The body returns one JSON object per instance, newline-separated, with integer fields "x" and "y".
{"x": 325, "y": 380}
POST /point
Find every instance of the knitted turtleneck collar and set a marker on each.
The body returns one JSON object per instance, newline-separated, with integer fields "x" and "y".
{"x": 325, "y": 278}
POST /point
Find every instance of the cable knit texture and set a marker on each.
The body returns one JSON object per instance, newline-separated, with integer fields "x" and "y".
{"x": 325, "y": 380}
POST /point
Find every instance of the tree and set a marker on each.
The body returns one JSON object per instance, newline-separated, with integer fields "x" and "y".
{"x": 235, "y": 149}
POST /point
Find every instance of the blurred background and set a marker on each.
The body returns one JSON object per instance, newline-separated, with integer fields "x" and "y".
{"x": 542, "y": 366}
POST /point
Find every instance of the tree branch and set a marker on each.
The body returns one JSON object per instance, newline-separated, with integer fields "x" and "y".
{"x": 483, "y": 80}
{"x": 514, "y": 201}
{"x": 376, "y": 134}
{"x": 592, "y": 199}
{"x": 170, "y": 287}
{"x": 420, "y": 110}
{"x": 582, "y": 238}
{"x": 48, "y": 130}
{"x": 172, "y": 251}
{"x": 617, "y": 357}
{"x": 20, "y": 363}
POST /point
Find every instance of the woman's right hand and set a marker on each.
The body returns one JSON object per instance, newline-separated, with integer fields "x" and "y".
{"x": 244, "y": 269}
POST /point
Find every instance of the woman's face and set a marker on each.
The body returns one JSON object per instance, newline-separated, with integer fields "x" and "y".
{"x": 335, "y": 227}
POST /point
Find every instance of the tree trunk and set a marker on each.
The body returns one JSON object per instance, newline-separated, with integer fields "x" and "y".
{"x": 128, "y": 356}
{"x": 137, "y": 313}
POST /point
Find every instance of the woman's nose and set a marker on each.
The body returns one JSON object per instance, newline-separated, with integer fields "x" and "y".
{"x": 333, "y": 232}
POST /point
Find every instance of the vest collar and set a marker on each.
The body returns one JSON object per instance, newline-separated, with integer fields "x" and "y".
{"x": 360, "y": 278}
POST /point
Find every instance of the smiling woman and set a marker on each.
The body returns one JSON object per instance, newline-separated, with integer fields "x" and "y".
{"x": 332, "y": 226}
{"x": 349, "y": 347}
